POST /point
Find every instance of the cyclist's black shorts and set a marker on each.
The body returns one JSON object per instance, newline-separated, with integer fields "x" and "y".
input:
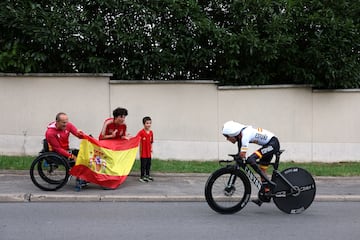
{"x": 266, "y": 152}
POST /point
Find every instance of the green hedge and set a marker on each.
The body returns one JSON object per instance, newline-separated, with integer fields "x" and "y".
{"x": 234, "y": 42}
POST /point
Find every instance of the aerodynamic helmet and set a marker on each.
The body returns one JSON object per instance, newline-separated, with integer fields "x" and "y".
{"x": 232, "y": 129}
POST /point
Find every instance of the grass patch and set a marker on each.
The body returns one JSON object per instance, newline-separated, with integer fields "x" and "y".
{"x": 176, "y": 166}
{"x": 16, "y": 162}
{"x": 344, "y": 169}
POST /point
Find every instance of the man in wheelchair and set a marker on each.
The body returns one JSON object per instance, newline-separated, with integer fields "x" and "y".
{"x": 57, "y": 137}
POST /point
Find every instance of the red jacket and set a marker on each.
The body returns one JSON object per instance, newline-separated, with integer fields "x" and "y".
{"x": 58, "y": 139}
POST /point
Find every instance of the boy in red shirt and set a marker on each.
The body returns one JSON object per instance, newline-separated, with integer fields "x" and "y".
{"x": 115, "y": 128}
{"x": 146, "y": 140}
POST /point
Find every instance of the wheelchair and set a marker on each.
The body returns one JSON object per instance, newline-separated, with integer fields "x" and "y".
{"x": 50, "y": 171}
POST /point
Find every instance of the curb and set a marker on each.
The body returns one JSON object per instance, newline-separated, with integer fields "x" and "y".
{"x": 337, "y": 198}
{"x": 161, "y": 174}
{"x": 174, "y": 194}
{"x": 29, "y": 197}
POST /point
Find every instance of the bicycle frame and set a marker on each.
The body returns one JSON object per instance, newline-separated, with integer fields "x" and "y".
{"x": 252, "y": 177}
{"x": 255, "y": 180}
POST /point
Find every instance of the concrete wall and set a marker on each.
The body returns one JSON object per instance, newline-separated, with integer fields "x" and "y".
{"x": 336, "y": 133}
{"x": 284, "y": 110}
{"x": 29, "y": 102}
{"x": 187, "y": 116}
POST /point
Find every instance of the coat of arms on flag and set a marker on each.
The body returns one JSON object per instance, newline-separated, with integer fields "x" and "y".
{"x": 105, "y": 162}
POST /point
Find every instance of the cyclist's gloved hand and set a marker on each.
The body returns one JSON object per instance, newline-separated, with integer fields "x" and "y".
{"x": 238, "y": 158}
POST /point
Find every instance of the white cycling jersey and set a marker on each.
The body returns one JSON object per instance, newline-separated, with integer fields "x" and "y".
{"x": 254, "y": 135}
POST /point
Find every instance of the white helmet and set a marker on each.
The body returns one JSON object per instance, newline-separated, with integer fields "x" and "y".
{"x": 232, "y": 129}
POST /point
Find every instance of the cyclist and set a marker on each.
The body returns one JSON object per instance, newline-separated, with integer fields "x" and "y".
{"x": 244, "y": 135}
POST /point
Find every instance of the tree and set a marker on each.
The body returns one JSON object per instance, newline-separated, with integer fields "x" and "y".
{"x": 234, "y": 42}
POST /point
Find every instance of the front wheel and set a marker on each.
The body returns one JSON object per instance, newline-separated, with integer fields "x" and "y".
{"x": 49, "y": 171}
{"x": 227, "y": 190}
{"x": 290, "y": 201}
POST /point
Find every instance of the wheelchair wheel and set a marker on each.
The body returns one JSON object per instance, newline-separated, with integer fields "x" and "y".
{"x": 300, "y": 200}
{"x": 49, "y": 171}
{"x": 227, "y": 190}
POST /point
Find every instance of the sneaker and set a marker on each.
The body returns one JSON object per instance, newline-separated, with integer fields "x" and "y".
{"x": 143, "y": 180}
{"x": 257, "y": 202}
{"x": 83, "y": 183}
{"x": 77, "y": 185}
{"x": 80, "y": 184}
{"x": 149, "y": 178}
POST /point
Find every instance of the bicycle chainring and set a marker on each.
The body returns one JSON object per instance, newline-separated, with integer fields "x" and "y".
{"x": 264, "y": 197}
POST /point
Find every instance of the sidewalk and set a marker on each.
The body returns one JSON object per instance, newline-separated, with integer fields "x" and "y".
{"x": 16, "y": 186}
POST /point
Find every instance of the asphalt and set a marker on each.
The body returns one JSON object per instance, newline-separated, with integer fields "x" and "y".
{"x": 16, "y": 186}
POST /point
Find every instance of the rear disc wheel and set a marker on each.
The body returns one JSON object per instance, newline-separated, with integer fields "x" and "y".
{"x": 299, "y": 200}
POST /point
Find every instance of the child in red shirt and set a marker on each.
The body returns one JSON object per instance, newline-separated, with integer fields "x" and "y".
{"x": 146, "y": 140}
{"x": 115, "y": 127}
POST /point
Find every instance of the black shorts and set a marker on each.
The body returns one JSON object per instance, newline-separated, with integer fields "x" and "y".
{"x": 266, "y": 152}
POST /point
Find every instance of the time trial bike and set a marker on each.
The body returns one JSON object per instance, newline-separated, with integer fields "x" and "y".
{"x": 228, "y": 189}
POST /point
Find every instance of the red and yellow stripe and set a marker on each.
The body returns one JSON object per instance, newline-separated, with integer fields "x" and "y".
{"x": 105, "y": 162}
{"x": 258, "y": 154}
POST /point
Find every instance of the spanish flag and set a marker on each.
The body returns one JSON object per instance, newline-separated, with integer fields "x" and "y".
{"x": 105, "y": 162}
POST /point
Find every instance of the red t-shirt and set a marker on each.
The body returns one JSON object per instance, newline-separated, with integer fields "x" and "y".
{"x": 58, "y": 139}
{"x": 146, "y": 140}
{"x": 109, "y": 127}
